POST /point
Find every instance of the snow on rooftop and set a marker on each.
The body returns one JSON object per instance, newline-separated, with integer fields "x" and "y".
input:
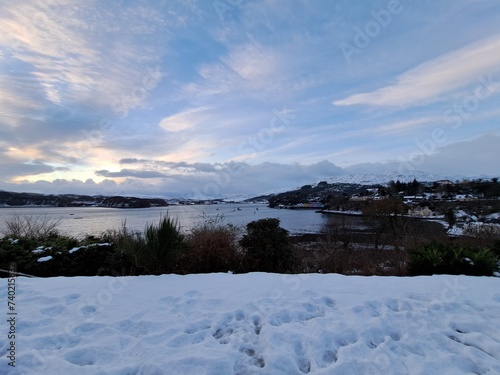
{"x": 256, "y": 323}
{"x": 495, "y": 215}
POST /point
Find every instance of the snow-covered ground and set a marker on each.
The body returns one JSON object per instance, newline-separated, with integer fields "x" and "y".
{"x": 255, "y": 324}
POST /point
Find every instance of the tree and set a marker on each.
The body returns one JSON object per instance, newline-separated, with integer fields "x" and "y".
{"x": 450, "y": 217}
{"x": 339, "y": 229}
{"x": 381, "y": 216}
{"x": 268, "y": 246}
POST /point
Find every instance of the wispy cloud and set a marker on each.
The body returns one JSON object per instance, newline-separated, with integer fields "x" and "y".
{"x": 184, "y": 120}
{"x": 431, "y": 80}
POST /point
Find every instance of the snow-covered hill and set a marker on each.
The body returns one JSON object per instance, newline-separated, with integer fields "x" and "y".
{"x": 254, "y": 323}
{"x": 373, "y": 178}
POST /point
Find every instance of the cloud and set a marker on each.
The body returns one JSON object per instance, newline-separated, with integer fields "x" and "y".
{"x": 156, "y": 177}
{"x": 164, "y": 96}
{"x": 130, "y": 173}
{"x": 185, "y": 120}
{"x": 405, "y": 126}
{"x": 253, "y": 62}
{"x": 182, "y": 166}
{"x": 14, "y": 169}
{"x": 429, "y": 81}
{"x": 62, "y": 44}
{"x": 472, "y": 157}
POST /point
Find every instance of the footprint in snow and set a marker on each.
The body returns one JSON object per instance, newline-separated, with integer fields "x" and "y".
{"x": 198, "y": 326}
{"x": 27, "y": 328}
{"x": 329, "y": 357}
{"x": 88, "y": 311}
{"x": 222, "y": 334}
{"x": 55, "y": 342}
{"x": 257, "y": 322}
{"x": 373, "y": 337}
{"x": 53, "y": 310}
{"x": 71, "y": 298}
{"x": 90, "y": 356}
{"x": 187, "y": 340}
{"x": 239, "y": 315}
{"x": 87, "y": 328}
{"x": 369, "y": 309}
{"x": 392, "y": 304}
{"x": 138, "y": 328}
{"x": 254, "y": 359}
{"x": 303, "y": 362}
{"x": 192, "y": 294}
{"x": 418, "y": 297}
{"x": 327, "y": 301}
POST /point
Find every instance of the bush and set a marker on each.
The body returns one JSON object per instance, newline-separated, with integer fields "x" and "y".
{"x": 211, "y": 247}
{"x": 268, "y": 247}
{"x": 161, "y": 246}
{"x": 447, "y": 259}
{"x": 31, "y": 226}
{"x": 87, "y": 260}
{"x": 128, "y": 246}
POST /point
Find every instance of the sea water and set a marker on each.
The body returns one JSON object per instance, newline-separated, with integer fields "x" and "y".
{"x": 82, "y": 221}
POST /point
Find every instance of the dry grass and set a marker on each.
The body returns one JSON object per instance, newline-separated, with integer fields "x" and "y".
{"x": 31, "y": 226}
{"x": 212, "y": 247}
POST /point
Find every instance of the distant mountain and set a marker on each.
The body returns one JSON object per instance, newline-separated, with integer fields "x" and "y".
{"x": 353, "y": 182}
{"x": 346, "y": 185}
{"x": 375, "y": 179}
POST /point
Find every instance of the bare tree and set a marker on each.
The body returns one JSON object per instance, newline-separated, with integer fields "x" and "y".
{"x": 339, "y": 229}
{"x": 34, "y": 226}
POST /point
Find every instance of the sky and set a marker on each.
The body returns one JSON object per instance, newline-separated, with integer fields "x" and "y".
{"x": 222, "y": 97}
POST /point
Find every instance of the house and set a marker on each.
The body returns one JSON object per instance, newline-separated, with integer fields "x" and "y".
{"x": 465, "y": 197}
{"x": 421, "y": 212}
{"x": 413, "y": 199}
{"x": 444, "y": 182}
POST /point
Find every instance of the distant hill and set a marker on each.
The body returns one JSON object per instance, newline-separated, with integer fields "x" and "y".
{"x": 12, "y": 199}
{"x": 322, "y": 189}
{"x": 355, "y": 183}
{"x": 331, "y": 189}
{"x": 378, "y": 179}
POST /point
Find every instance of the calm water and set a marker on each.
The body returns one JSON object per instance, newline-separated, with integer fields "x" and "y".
{"x": 79, "y": 222}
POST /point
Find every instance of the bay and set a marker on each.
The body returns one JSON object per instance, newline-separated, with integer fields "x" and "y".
{"x": 82, "y": 221}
